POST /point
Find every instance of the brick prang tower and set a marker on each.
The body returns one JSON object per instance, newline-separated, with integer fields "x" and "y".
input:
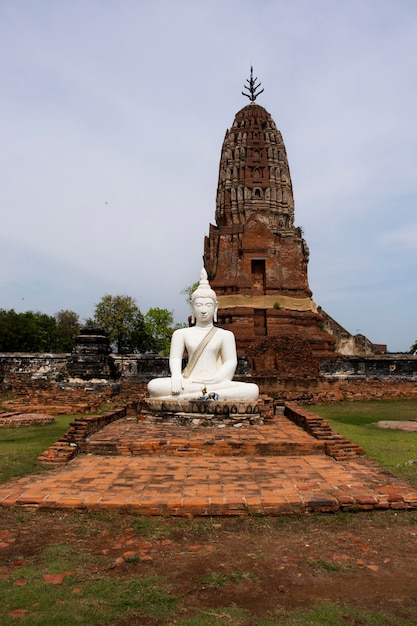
{"x": 255, "y": 257}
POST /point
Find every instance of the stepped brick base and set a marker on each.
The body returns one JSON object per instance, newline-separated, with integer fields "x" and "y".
{"x": 125, "y": 437}
{"x": 295, "y": 464}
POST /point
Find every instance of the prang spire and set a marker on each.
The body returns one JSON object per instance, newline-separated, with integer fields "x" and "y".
{"x": 252, "y": 95}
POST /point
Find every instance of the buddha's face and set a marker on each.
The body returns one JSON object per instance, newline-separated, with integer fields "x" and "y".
{"x": 204, "y": 309}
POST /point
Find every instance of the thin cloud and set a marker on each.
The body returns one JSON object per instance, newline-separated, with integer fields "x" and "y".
{"x": 112, "y": 119}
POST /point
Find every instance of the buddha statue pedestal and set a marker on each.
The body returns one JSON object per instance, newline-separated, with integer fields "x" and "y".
{"x": 219, "y": 413}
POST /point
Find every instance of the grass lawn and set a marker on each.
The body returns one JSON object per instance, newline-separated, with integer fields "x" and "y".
{"x": 108, "y": 568}
{"x": 20, "y": 447}
{"x": 395, "y": 450}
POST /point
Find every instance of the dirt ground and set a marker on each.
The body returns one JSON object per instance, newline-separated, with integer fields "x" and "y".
{"x": 261, "y": 564}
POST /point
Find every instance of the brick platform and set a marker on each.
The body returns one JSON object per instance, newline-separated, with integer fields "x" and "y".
{"x": 222, "y": 471}
{"x": 159, "y": 485}
{"x": 20, "y": 420}
{"x": 126, "y": 437}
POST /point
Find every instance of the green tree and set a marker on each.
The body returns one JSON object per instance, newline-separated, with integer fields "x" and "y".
{"x": 123, "y": 322}
{"x": 67, "y": 328}
{"x": 413, "y": 347}
{"x": 27, "y": 332}
{"x": 159, "y": 326}
{"x": 7, "y": 329}
{"x": 187, "y": 291}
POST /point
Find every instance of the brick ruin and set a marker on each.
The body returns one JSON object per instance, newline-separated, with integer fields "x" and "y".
{"x": 90, "y": 356}
{"x": 257, "y": 263}
{"x": 257, "y": 259}
{"x": 43, "y": 381}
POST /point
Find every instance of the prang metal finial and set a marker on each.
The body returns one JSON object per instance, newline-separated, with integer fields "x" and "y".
{"x": 252, "y": 95}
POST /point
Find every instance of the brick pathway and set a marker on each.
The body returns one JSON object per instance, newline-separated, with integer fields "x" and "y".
{"x": 177, "y": 471}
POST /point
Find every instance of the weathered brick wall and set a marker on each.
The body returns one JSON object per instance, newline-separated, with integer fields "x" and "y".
{"x": 26, "y": 367}
{"x": 336, "y": 445}
{"x": 141, "y": 366}
{"x": 75, "y": 439}
{"x": 324, "y": 391}
{"x": 391, "y": 367}
{"x": 42, "y": 380}
{"x": 21, "y": 369}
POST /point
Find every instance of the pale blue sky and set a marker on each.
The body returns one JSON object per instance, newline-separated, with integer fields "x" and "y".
{"x": 112, "y": 118}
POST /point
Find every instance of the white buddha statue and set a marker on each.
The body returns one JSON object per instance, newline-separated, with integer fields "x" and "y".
{"x": 212, "y": 358}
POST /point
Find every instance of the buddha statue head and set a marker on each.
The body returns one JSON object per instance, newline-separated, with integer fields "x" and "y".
{"x": 202, "y": 293}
